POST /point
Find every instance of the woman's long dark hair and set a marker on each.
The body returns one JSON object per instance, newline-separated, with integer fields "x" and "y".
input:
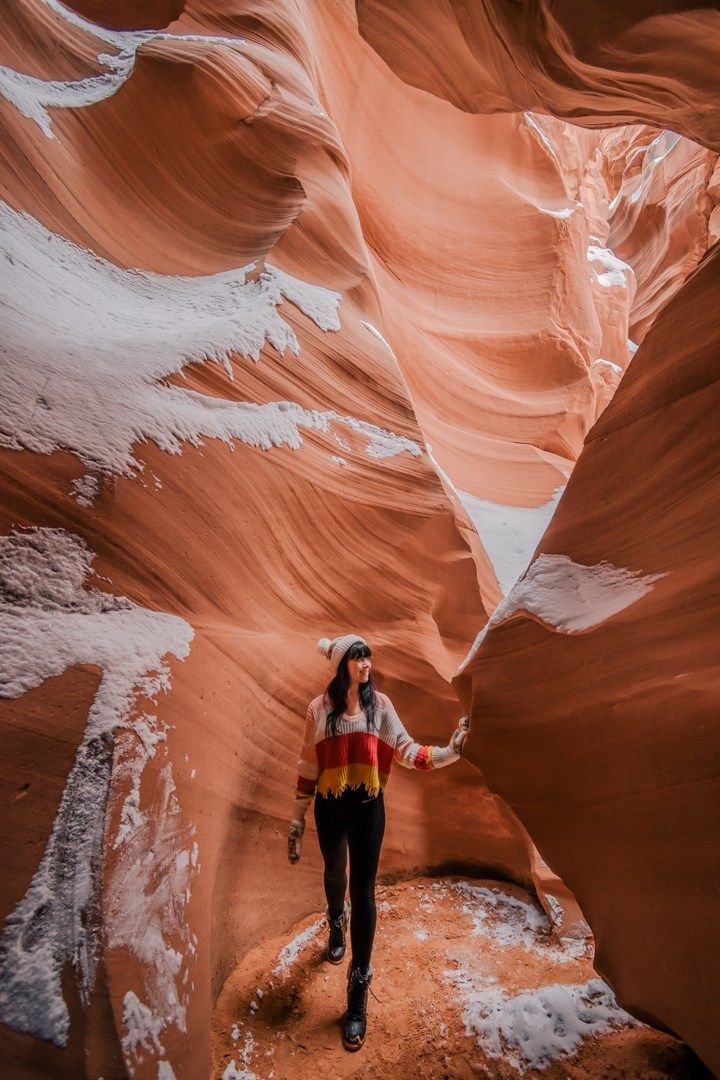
{"x": 337, "y": 691}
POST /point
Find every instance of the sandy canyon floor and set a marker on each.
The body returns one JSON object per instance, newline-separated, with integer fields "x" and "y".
{"x": 470, "y": 981}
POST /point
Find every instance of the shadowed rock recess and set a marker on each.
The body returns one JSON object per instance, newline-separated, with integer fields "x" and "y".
{"x": 398, "y": 317}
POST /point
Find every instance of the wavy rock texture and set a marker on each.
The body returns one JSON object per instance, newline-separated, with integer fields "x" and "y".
{"x": 650, "y": 61}
{"x": 247, "y": 273}
{"x": 234, "y": 453}
{"x": 510, "y": 352}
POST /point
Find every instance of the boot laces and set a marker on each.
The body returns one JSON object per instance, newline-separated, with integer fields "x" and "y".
{"x": 336, "y": 937}
{"x": 357, "y": 997}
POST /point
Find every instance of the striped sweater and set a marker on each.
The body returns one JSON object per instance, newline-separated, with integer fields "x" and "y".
{"x": 355, "y": 756}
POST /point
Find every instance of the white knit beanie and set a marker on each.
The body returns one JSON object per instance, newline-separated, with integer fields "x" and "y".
{"x": 335, "y": 650}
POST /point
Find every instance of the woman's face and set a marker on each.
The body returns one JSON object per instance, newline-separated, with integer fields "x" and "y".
{"x": 359, "y": 670}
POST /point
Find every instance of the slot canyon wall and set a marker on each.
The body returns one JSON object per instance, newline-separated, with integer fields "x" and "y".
{"x": 298, "y": 307}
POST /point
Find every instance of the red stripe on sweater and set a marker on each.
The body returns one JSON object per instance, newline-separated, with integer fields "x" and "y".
{"x": 422, "y": 758}
{"x": 359, "y": 746}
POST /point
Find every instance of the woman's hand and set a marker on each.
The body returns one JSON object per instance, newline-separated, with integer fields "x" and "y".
{"x": 297, "y": 828}
{"x": 458, "y": 736}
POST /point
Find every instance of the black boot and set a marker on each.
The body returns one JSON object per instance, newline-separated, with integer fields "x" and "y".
{"x": 336, "y": 938}
{"x": 355, "y": 1020}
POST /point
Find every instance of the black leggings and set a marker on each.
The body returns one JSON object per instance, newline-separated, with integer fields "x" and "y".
{"x": 353, "y": 821}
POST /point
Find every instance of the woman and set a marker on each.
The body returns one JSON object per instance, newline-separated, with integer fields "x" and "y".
{"x": 352, "y": 734}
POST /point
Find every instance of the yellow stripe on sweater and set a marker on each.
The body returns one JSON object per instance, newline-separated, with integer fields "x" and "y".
{"x": 334, "y": 781}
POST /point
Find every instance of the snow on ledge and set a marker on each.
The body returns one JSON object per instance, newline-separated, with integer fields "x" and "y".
{"x": 608, "y": 365}
{"x": 568, "y": 596}
{"x": 562, "y": 212}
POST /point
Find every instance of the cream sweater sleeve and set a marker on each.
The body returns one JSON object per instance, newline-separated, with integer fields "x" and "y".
{"x": 414, "y": 755}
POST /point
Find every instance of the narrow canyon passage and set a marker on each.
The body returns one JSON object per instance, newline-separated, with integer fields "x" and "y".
{"x": 395, "y": 318}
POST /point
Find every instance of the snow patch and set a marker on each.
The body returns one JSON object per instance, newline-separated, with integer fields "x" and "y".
{"x": 89, "y": 345}
{"x": 142, "y": 1029}
{"x": 509, "y": 534}
{"x": 132, "y": 757}
{"x": 320, "y": 305}
{"x": 33, "y": 96}
{"x": 614, "y": 368}
{"x": 568, "y": 596}
{"x": 86, "y": 489}
{"x": 513, "y": 923}
{"x": 290, "y": 952}
{"x": 376, "y": 333}
{"x": 562, "y": 212}
{"x": 146, "y": 897}
{"x": 232, "y": 1072}
{"x": 538, "y": 1027}
{"x": 49, "y": 621}
{"x": 242, "y": 1071}
{"x": 502, "y": 917}
{"x": 614, "y": 269}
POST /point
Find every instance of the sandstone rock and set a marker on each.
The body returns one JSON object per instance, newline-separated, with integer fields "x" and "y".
{"x": 277, "y": 325}
{"x": 617, "y": 780}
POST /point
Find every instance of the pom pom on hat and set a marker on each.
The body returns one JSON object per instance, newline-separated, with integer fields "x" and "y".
{"x": 323, "y": 646}
{"x": 336, "y": 649}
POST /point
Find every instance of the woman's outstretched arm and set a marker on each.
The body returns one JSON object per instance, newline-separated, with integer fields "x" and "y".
{"x": 417, "y": 756}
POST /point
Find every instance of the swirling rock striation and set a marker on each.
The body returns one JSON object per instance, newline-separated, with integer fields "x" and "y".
{"x": 651, "y": 61}
{"x": 272, "y": 316}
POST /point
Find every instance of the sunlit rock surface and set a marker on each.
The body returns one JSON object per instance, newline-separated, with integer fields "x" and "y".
{"x": 290, "y": 347}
